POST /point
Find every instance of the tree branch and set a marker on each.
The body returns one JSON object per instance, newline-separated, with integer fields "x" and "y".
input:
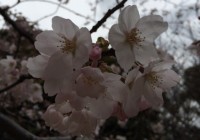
{"x": 107, "y": 15}
{"x": 20, "y": 80}
{"x": 19, "y": 133}
{"x": 16, "y": 26}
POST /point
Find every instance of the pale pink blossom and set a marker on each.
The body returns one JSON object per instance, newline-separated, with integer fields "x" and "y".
{"x": 63, "y": 51}
{"x": 63, "y": 118}
{"x": 157, "y": 77}
{"x": 104, "y": 91}
{"x": 133, "y": 37}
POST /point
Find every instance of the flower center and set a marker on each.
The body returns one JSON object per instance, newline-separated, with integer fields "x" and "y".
{"x": 89, "y": 80}
{"x": 68, "y": 46}
{"x": 152, "y": 78}
{"x": 134, "y": 37}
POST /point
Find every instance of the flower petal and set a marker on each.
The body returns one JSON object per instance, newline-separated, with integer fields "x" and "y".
{"x": 128, "y": 18}
{"x": 116, "y": 37}
{"x": 36, "y": 65}
{"x": 89, "y": 83}
{"x": 131, "y": 108}
{"x": 145, "y": 53}
{"x": 101, "y": 108}
{"x": 64, "y": 27}
{"x": 47, "y": 42}
{"x": 153, "y": 95}
{"x": 83, "y": 47}
{"x": 151, "y": 27}
{"x": 59, "y": 72}
{"x": 168, "y": 79}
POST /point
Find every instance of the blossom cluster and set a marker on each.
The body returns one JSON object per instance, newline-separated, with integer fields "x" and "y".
{"x": 88, "y": 90}
{"x": 10, "y": 71}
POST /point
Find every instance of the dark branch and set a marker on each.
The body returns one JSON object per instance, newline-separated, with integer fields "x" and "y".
{"x": 20, "y": 80}
{"x": 19, "y": 133}
{"x": 19, "y": 29}
{"x": 107, "y": 15}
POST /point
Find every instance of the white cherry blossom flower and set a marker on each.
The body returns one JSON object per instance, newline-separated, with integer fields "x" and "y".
{"x": 63, "y": 52}
{"x": 104, "y": 91}
{"x": 148, "y": 87}
{"x": 63, "y": 118}
{"x": 133, "y": 37}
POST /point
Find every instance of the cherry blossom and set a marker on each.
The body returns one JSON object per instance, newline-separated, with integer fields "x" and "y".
{"x": 148, "y": 86}
{"x": 105, "y": 91}
{"x": 63, "y": 51}
{"x": 63, "y": 118}
{"x": 133, "y": 37}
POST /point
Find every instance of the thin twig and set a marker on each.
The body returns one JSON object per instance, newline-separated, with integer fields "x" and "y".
{"x": 20, "y": 80}
{"x": 19, "y": 29}
{"x": 49, "y": 15}
{"x": 19, "y": 133}
{"x": 61, "y": 6}
{"x": 107, "y": 15}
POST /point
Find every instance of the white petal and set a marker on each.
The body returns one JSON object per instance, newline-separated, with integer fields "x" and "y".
{"x": 132, "y": 76}
{"x": 59, "y": 72}
{"x": 123, "y": 52}
{"x": 75, "y": 101}
{"x": 128, "y": 18}
{"x": 81, "y": 123}
{"x": 145, "y": 53}
{"x": 153, "y": 95}
{"x": 116, "y": 37}
{"x": 151, "y": 27}
{"x": 83, "y": 47}
{"x": 47, "y": 42}
{"x": 36, "y": 65}
{"x": 115, "y": 88}
{"x": 89, "y": 83}
{"x": 168, "y": 79}
{"x": 131, "y": 108}
{"x": 163, "y": 65}
{"x": 101, "y": 108}
{"x": 64, "y": 27}
{"x": 125, "y": 57}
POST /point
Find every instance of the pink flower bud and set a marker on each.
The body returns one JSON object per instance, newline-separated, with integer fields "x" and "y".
{"x": 95, "y": 53}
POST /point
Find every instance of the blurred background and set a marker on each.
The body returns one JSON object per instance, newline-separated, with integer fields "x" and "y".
{"x": 178, "y": 119}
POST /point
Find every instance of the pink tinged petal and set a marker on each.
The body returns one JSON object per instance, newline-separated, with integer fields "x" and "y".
{"x": 64, "y": 27}
{"x": 47, "y": 42}
{"x": 153, "y": 95}
{"x": 119, "y": 112}
{"x": 36, "y": 65}
{"x": 128, "y": 18}
{"x": 167, "y": 79}
{"x": 151, "y": 27}
{"x": 83, "y": 47}
{"x": 52, "y": 117}
{"x": 144, "y": 104}
{"x": 145, "y": 53}
{"x": 58, "y": 74}
{"x": 116, "y": 37}
{"x": 102, "y": 107}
